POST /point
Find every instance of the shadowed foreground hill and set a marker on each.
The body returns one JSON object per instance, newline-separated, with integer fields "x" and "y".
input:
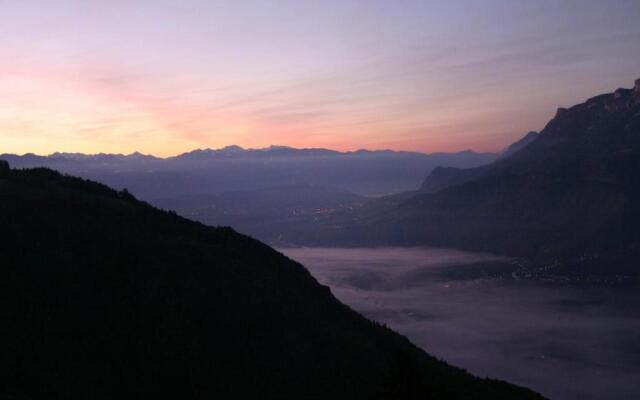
{"x": 105, "y": 297}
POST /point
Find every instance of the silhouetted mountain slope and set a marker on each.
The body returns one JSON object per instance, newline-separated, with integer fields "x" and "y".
{"x": 569, "y": 198}
{"x": 106, "y": 297}
{"x": 520, "y": 144}
{"x": 444, "y": 177}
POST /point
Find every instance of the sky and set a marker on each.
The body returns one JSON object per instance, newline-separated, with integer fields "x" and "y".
{"x": 165, "y": 77}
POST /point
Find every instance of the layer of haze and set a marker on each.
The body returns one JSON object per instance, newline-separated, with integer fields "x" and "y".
{"x": 165, "y": 77}
{"x": 565, "y": 342}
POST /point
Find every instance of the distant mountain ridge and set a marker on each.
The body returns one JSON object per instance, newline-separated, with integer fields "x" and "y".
{"x": 232, "y": 168}
{"x": 273, "y": 150}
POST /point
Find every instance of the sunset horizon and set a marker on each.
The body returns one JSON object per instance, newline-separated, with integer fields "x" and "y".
{"x": 167, "y": 78}
{"x": 92, "y": 149}
{"x": 265, "y": 148}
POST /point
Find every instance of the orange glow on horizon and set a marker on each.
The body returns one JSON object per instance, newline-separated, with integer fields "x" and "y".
{"x": 166, "y": 78}
{"x": 76, "y": 117}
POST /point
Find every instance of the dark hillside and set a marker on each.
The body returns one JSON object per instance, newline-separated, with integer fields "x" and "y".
{"x": 106, "y": 297}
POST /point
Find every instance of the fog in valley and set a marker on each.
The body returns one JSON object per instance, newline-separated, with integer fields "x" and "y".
{"x": 567, "y": 342}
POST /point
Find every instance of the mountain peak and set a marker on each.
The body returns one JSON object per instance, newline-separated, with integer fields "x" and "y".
{"x": 232, "y": 149}
{"x": 560, "y": 111}
{"x": 279, "y": 147}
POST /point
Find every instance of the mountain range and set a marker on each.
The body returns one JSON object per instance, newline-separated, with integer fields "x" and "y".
{"x": 209, "y": 171}
{"x": 104, "y": 297}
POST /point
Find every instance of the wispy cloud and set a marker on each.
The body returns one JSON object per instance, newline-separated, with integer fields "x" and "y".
{"x": 165, "y": 77}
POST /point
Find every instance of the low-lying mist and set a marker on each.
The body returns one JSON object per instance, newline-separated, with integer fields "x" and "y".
{"x": 468, "y": 309}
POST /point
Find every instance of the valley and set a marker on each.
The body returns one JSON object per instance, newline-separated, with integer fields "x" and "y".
{"x": 565, "y": 341}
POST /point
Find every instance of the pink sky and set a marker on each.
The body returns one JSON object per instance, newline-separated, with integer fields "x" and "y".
{"x": 166, "y": 77}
